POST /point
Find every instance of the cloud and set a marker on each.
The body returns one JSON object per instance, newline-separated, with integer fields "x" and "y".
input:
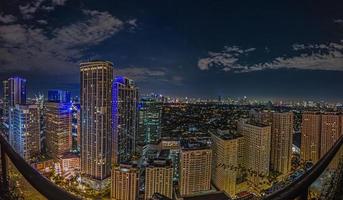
{"x": 26, "y": 47}
{"x": 304, "y": 56}
{"x": 28, "y": 10}
{"x": 6, "y": 19}
{"x": 59, "y": 2}
{"x": 141, "y": 73}
{"x": 338, "y": 21}
{"x": 226, "y": 59}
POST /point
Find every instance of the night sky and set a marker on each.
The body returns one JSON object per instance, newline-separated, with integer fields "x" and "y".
{"x": 263, "y": 49}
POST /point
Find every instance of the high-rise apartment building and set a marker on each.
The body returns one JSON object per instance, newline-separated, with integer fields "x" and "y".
{"x": 256, "y": 157}
{"x": 125, "y": 119}
{"x": 310, "y": 136}
{"x": 224, "y": 160}
{"x": 159, "y": 178}
{"x": 331, "y": 130}
{"x": 24, "y": 134}
{"x": 281, "y": 142}
{"x": 124, "y": 182}
{"x": 58, "y": 123}
{"x": 150, "y": 115}
{"x": 195, "y": 168}
{"x": 96, "y": 115}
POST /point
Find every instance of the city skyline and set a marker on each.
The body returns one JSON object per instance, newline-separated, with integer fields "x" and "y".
{"x": 210, "y": 49}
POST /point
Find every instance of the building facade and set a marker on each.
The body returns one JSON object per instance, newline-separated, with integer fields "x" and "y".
{"x": 58, "y": 123}
{"x": 96, "y": 112}
{"x": 310, "y": 136}
{"x": 124, "y": 182}
{"x": 195, "y": 169}
{"x": 24, "y": 133}
{"x": 125, "y": 119}
{"x": 331, "y": 130}
{"x": 14, "y": 92}
{"x": 159, "y": 179}
{"x": 150, "y": 117}
{"x": 256, "y": 157}
{"x": 281, "y": 142}
{"x": 224, "y": 160}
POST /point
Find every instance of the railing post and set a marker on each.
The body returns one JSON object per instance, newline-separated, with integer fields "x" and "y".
{"x": 4, "y": 169}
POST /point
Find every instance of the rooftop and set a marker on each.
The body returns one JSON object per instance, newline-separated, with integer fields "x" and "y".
{"x": 226, "y": 134}
{"x": 192, "y": 144}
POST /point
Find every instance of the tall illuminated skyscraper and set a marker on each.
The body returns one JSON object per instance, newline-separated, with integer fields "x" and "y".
{"x": 159, "y": 178}
{"x": 150, "y": 115}
{"x": 125, "y": 119}
{"x": 58, "y": 123}
{"x": 225, "y": 158}
{"x": 5, "y": 98}
{"x": 96, "y": 113}
{"x": 281, "y": 142}
{"x": 256, "y": 138}
{"x": 331, "y": 130}
{"x": 24, "y": 134}
{"x": 124, "y": 182}
{"x": 195, "y": 168}
{"x": 14, "y": 92}
{"x": 310, "y": 136}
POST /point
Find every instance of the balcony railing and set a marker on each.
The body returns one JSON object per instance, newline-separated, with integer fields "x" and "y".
{"x": 41, "y": 187}
{"x": 322, "y": 181}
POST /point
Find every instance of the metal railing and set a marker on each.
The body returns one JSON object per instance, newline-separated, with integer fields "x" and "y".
{"x": 330, "y": 165}
{"x": 44, "y": 186}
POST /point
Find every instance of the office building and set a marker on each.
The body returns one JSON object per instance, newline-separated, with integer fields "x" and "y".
{"x": 159, "y": 178}
{"x": 58, "y": 123}
{"x": 124, "y": 182}
{"x": 125, "y": 119}
{"x": 150, "y": 115}
{"x": 281, "y": 142}
{"x": 96, "y": 129}
{"x": 24, "y": 133}
{"x": 195, "y": 168}
{"x": 14, "y": 92}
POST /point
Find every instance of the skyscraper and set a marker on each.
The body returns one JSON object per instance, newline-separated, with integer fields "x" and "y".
{"x": 14, "y": 92}
{"x": 96, "y": 113}
{"x": 24, "y": 134}
{"x": 224, "y": 160}
{"x": 330, "y": 131}
{"x": 150, "y": 115}
{"x": 17, "y": 91}
{"x": 159, "y": 178}
{"x": 124, "y": 182}
{"x": 256, "y": 138}
{"x": 125, "y": 119}
{"x": 58, "y": 123}
{"x": 5, "y": 97}
{"x": 310, "y": 136}
{"x": 195, "y": 168}
{"x": 281, "y": 142}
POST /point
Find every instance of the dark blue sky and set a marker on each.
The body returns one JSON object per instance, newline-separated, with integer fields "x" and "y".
{"x": 270, "y": 49}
